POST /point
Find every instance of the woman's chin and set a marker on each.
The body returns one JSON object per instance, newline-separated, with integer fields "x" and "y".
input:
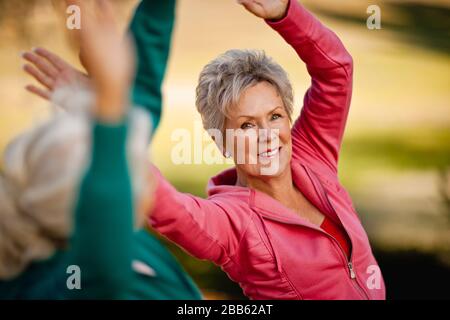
{"x": 267, "y": 165}
{"x": 273, "y": 166}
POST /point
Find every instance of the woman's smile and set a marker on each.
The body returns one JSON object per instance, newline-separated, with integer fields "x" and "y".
{"x": 269, "y": 154}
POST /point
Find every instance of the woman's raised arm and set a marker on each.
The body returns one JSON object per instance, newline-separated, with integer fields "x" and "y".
{"x": 317, "y": 133}
{"x": 151, "y": 30}
{"x": 103, "y": 233}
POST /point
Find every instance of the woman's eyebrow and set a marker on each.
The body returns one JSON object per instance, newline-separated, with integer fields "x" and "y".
{"x": 278, "y": 107}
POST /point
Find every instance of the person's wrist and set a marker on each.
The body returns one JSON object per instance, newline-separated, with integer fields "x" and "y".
{"x": 111, "y": 105}
{"x": 281, "y": 14}
{"x": 113, "y": 85}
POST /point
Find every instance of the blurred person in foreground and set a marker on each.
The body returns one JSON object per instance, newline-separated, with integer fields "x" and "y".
{"x": 73, "y": 188}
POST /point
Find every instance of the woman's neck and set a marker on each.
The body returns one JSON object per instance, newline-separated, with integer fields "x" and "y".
{"x": 280, "y": 187}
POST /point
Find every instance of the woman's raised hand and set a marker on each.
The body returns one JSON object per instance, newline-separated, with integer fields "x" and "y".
{"x": 108, "y": 56}
{"x": 51, "y": 72}
{"x": 266, "y": 9}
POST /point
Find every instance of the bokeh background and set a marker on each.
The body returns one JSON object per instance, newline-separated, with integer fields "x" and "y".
{"x": 395, "y": 158}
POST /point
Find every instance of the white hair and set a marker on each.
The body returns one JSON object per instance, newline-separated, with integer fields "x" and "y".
{"x": 223, "y": 80}
{"x": 41, "y": 174}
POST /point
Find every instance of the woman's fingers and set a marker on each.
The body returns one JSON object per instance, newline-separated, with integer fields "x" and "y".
{"x": 45, "y": 94}
{"x": 54, "y": 59}
{"x": 266, "y": 9}
{"x": 253, "y": 7}
{"x": 39, "y": 76}
{"x": 41, "y": 64}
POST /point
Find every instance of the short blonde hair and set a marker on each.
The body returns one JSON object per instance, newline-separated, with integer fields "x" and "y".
{"x": 223, "y": 80}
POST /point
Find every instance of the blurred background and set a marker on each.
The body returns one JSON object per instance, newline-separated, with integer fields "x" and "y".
{"x": 395, "y": 159}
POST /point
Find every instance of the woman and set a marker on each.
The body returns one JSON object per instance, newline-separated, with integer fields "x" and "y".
{"x": 279, "y": 223}
{"x": 293, "y": 233}
{"x": 39, "y": 183}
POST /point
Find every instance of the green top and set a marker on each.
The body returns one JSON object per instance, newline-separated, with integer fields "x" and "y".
{"x": 151, "y": 29}
{"x": 104, "y": 245}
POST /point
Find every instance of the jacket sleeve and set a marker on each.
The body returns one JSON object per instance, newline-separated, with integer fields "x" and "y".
{"x": 317, "y": 133}
{"x": 151, "y": 29}
{"x": 102, "y": 242}
{"x": 202, "y": 227}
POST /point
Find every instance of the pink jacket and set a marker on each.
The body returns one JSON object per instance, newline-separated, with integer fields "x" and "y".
{"x": 268, "y": 249}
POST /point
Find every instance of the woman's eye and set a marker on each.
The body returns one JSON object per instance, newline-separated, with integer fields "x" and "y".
{"x": 276, "y": 116}
{"x": 246, "y": 125}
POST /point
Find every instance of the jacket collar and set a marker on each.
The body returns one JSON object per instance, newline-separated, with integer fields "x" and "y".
{"x": 304, "y": 179}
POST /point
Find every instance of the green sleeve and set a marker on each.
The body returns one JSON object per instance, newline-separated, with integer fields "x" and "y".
{"x": 151, "y": 29}
{"x": 103, "y": 228}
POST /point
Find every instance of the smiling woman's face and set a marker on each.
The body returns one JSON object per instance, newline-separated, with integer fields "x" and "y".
{"x": 262, "y": 121}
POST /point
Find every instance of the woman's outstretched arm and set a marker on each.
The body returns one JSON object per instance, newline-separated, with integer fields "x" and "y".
{"x": 206, "y": 228}
{"x": 317, "y": 133}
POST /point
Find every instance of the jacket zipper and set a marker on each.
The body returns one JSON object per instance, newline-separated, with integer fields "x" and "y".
{"x": 351, "y": 270}
{"x": 348, "y": 261}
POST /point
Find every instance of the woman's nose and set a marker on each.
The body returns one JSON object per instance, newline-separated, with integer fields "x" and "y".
{"x": 267, "y": 134}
